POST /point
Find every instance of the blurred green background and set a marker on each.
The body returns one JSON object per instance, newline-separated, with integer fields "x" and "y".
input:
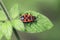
{"x": 50, "y": 8}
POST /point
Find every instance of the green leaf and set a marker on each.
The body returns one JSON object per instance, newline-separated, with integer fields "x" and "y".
{"x": 7, "y": 30}
{"x": 18, "y": 25}
{"x": 2, "y": 16}
{"x": 1, "y": 34}
{"x": 42, "y": 23}
{"x": 14, "y": 12}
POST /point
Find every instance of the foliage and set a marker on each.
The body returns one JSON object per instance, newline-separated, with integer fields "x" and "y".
{"x": 41, "y": 24}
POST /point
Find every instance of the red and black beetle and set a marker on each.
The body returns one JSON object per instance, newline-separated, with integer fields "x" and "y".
{"x": 27, "y": 18}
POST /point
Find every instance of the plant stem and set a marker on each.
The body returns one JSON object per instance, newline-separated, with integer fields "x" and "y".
{"x": 16, "y": 34}
{"x": 8, "y": 17}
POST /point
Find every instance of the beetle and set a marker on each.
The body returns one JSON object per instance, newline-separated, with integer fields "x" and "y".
{"x": 27, "y": 18}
